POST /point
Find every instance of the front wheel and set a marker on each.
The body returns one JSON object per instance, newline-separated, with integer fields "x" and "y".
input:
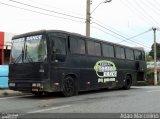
{"x": 68, "y": 88}
{"x": 128, "y": 83}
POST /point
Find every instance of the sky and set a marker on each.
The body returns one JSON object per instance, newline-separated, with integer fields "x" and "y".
{"x": 117, "y": 21}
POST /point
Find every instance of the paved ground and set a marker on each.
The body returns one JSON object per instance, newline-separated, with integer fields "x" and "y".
{"x": 143, "y": 99}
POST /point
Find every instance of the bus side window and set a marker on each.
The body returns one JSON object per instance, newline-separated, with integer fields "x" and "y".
{"x": 94, "y": 48}
{"x": 108, "y": 50}
{"x": 58, "y": 49}
{"x": 77, "y": 45}
{"x": 129, "y": 54}
{"x": 138, "y": 55}
{"x": 59, "y": 45}
{"x": 120, "y": 52}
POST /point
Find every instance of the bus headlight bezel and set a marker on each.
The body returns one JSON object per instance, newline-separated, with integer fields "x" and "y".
{"x": 12, "y": 84}
{"x": 37, "y": 85}
{"x": 34, "y": 85}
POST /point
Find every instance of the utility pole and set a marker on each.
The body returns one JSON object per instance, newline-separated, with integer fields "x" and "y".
{"x": 88, "y": 20}
{"x": 155, "y": 57}
{"x": 89, "y": 13}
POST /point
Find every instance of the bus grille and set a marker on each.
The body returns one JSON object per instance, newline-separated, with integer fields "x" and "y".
{"x": 25, "y": 85}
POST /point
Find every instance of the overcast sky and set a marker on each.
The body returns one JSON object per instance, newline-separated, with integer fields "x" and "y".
{"x": 116, "y": 21}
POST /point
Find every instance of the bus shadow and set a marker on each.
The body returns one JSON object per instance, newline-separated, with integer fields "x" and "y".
{"x": 57, "y": 95}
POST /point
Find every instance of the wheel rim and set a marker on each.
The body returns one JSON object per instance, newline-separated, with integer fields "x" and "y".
{"x": 68, "y": 86}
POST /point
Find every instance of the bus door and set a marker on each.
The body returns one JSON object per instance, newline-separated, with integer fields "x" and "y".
{"x": 58, "y": 58}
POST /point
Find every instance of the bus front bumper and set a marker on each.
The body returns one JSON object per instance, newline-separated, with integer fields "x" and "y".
{"x": 30, "y": 87}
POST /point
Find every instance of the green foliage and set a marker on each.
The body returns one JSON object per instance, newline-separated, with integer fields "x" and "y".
{"x": 151, "y": 53}
{"x": 149, "y": 74}
{"x": 149, "y": 58}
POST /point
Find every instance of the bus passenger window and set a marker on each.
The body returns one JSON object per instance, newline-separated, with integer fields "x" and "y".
{"x": 120, "y": 52}
{"x": 77, "y": 46}
{"x": 94, "y": 48}
{"x": 138, "y": 55}
{"x": 129, "y": 54}
{"x": 108, "y": 50}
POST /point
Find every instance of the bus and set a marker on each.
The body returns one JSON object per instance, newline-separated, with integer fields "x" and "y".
{"x": 60, "y": 61}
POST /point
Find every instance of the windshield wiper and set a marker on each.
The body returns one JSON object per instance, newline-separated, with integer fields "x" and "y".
{"x": 28, "y": 57}
{"x": 21, "y": 56}
{"x": 18, "y": 58}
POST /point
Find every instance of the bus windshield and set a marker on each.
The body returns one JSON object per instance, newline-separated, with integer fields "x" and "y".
{"x": 29, "y": 49}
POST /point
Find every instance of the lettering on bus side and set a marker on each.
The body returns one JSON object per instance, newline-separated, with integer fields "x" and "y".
{"x": 106, "y": 71}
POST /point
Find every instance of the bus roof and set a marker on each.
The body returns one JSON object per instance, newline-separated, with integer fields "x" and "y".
{"x": 73, "y": 34}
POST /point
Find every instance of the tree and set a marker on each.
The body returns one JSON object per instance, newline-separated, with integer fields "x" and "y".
{"x": 149, "y": 58}
{"x": 151, "y": 53}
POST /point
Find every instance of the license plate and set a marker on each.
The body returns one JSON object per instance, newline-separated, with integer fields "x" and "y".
{"x": 34, "y": 89}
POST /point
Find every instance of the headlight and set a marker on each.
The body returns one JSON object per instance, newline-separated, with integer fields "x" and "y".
{"x": 38, "y": 85}
{"x": 12, "y": 84}
{"x": 34, "y": 84}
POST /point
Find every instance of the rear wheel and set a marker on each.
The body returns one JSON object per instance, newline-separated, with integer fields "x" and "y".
{"x": 68, "y": 88}
{"x": 128, "y": 83}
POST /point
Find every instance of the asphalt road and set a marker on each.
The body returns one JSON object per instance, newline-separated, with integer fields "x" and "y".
{"x": 136, "y": 100}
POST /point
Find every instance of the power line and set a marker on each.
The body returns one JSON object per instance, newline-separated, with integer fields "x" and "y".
{"x": 107, "y": 33}
{"x": 152, "y": 8}
{"x": 51, "y": 6}
{"x": 40, "y": 12}
{"x": 62, "y": 17}
{"x": 126, "y": 39}
{"x": 132, "y": 9}
{"x": 140, "y": 13}
{"x": 116, "y": 37}
{"x": 113, "y": 29}
{"x": 108, "y": 26}
{"x": 136, "y": 35}
{"x": 146, "y": 12}
{"x": 140, "y": 34}
{"x": 47, "y": 10}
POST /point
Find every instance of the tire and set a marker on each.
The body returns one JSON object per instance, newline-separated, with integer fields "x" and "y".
{"x": 128, "y": 83}
{"x": 68, "y": 87}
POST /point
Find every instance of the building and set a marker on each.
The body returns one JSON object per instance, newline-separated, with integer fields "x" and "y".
{"x": 150, "y": 68}
{"x": 5, "y": 47}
